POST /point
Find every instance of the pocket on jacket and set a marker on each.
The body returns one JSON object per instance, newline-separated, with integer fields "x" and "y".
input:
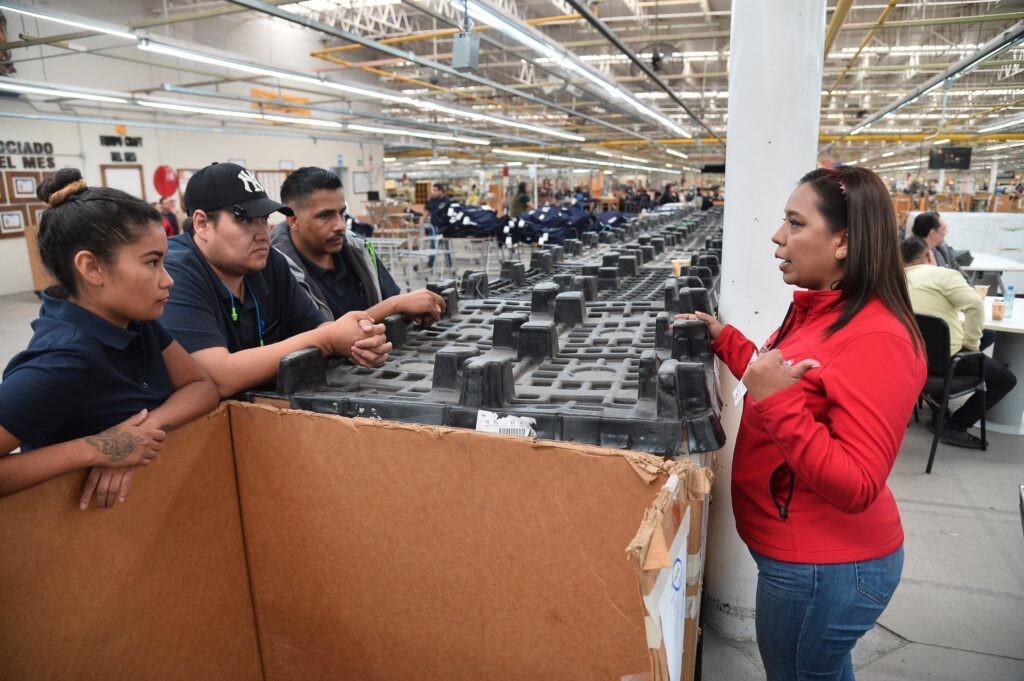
{"x": 877, "y": 579}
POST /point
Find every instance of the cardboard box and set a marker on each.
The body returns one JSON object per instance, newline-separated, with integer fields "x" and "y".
{"x": 271, "y": 545}
{"x": 41, "y": 277}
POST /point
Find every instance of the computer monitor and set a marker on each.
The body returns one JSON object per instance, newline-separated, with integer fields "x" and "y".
{"x": 373, "y": 196}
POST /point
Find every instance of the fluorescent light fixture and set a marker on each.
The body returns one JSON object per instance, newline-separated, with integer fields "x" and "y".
{"x": 5, "y": 84}
{"x": 676, "y": 153}
{"x": 512, "y": 164}
{"x": 633, "y": 158}
{"x": 513, "y": 152}
{"x": 888, "y": 154}
{"x": 522, "y": 35}
{"x": 996, "y": 147}
{"x": 314, "y": 122}
{"x": 188, "y": 108}
{"x": 389, "y": 159}
{"x": 852, "y": 163}
{"x": 437, "y": 162}
{"x": 68, "y": 20}
{"x": 256, "y": 69}
{"x": 937, "y": 143}
{"x": 604, "y": 153}
{"x": 1002, "y": 126}
{"x": 417, "y": 133}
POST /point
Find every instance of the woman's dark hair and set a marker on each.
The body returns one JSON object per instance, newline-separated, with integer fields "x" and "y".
{"x": 912, "y": 248}
{"x": 856, "y": 199}
{"x": 81, "y": 218}
{"x": 522, "y": 188}
{"x": 924, "y": 223}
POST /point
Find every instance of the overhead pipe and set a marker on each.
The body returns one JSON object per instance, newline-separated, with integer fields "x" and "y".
{"x": 442, "y": 33}
{"x": 838, "y": 17}
{"x": 196, "y": 15}
{"x": 993, "y": 47}
{"x": 603, "y": 29}
{"x": 269, "y": 9}
{"x": 863, "y": 44}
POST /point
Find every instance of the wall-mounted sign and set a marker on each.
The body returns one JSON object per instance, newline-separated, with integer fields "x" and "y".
{"x": 26, "y": 155}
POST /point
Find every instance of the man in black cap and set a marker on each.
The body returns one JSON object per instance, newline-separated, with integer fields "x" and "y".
{"x": 235, "y": 305}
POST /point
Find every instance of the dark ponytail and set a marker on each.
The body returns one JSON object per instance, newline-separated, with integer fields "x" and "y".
{"x": 856, "y": 199}
{"x": 82, "y": 218}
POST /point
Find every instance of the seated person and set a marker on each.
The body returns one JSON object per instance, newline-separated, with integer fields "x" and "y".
{"x": 932, "y": 229}
{"x": 340, "y": 271}
{"x": 941, "y": 292}
{"x": 236, "y": 306}
{"x": 101, "y": 382}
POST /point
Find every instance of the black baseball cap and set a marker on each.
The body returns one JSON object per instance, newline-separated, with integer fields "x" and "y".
{"x": 229, "y": 186}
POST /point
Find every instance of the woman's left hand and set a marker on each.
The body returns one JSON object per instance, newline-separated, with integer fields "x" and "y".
{"x": 769, "y": 374}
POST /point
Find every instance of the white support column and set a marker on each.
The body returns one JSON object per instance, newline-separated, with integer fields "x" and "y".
{"x": 993, "y": 174}
{"x": 774, "y": 98}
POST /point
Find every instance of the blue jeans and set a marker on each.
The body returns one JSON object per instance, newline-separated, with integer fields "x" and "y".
{"x": 810, "y": 616}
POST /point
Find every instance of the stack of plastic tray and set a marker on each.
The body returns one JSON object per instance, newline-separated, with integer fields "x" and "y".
{"x": 584, "y": 342}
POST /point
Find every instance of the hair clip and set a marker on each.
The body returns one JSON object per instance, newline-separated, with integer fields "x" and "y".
{"x": 838, "y": 174}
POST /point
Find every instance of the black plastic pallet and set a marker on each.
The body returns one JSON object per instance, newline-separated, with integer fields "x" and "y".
{"x": 625, "y": 374}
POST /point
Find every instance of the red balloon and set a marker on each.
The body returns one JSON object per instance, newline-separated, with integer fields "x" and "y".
{"x": 165, "y": 179}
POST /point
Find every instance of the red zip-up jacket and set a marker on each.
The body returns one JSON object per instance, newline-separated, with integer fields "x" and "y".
{"x": 831, "y": 439}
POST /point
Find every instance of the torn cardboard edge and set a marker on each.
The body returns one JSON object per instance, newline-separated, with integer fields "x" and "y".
{"x": 648, "y": 467}
{"x": 673, "y": 531}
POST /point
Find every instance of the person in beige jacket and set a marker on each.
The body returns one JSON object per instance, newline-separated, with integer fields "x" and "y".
{"x": 943, "y": 293}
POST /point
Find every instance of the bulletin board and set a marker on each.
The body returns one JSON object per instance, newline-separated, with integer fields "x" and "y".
{"x": 360, "y": 182}
{"x": 127, "y": 178}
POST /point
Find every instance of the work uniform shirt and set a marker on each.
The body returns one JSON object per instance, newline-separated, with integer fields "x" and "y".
{"x": 81, "y": 374}
{"x": 203, "y": 313}
{"x": 342, "y": 290}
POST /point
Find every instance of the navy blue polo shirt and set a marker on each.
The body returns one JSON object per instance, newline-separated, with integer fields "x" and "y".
{"x": 199, "y": 313}
{"x": 343, "y": 292}
{"x": 81, "y": 375}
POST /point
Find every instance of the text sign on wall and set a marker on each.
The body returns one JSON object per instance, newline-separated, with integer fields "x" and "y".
{"x": 26, "y": 155}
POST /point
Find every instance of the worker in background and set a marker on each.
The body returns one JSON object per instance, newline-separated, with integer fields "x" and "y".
{"x": 168, "y": 207}
{"x": 438, "y": 201}
{"x": 941, "y": 292}
{"x": 473, "y": 198}
{"x": 235, "y": 305}
{"x": 340, "y": 272}
{"x": 932, "y": 229}
{"x": 668, "y": 195}
{"x": 520, "y": 202}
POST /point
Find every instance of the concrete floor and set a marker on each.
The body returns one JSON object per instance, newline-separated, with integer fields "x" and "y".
{"x": 958, "y": 614}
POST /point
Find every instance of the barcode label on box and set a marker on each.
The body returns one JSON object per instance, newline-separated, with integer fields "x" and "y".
{"x": 519, "y": 426}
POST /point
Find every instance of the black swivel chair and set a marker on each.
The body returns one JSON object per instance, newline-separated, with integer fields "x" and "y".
{"x": 941, "y": 384}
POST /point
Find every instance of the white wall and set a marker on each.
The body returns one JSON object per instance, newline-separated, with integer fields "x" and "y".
{"x": 78, "y": 145}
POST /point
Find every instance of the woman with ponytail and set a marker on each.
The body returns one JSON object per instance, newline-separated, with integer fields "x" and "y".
{"x": 101, "y": 382}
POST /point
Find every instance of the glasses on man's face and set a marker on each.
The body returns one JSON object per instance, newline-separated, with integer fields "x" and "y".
{"x": 781, "y": 485}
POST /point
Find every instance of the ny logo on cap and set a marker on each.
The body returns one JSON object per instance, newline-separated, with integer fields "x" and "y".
{"x": 250, "y": 181}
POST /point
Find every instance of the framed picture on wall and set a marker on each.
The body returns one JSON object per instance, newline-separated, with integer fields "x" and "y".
{"x": 12, "y": 220}
{"x": 127, "y": 178}
{"x": 3, "y": 189}
{"x": 21, "y": 186}
{"x": 36, "y": 214}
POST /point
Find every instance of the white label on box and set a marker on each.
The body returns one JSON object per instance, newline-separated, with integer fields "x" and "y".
{"x": 667, "y": 600}
{"x": 489, "y": 422}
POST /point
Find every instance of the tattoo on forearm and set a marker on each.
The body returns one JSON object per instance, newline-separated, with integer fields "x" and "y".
{"x": 117, "y": 445}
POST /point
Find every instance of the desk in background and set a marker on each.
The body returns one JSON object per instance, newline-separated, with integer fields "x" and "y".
{"x": 1006, "y": 416}
{"x": 985, "y": 264}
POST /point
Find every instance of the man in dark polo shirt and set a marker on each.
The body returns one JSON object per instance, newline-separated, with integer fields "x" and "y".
{"x": 235, "y": 305}
{"x": 340, "y": 271}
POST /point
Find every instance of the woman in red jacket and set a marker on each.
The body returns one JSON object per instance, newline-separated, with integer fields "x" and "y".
{"x": 827, "y": 402}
